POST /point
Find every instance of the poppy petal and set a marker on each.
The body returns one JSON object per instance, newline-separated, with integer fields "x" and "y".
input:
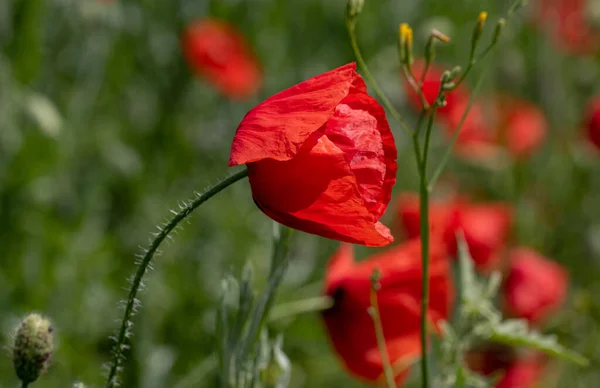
{"x": 278, "y": 127}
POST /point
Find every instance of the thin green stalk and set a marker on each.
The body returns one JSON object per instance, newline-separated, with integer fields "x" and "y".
{"x": 446, "y": 157}
{"x": 25, "y": 384}
{"x": 350, "y": 25}
{"x": 131, "y": 302}
{"x": 291, "y": 309}
{"x": 424, "y": 226}
{"x": 414, "y": 84}
{"x": 385, "y": 359}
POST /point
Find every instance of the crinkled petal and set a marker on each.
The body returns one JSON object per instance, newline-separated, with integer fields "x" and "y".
{"x": 278, "y": 127}
{"x": 317, "y": 193}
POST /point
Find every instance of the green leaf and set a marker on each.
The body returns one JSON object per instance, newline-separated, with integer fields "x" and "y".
{"x": 515, "y": 332}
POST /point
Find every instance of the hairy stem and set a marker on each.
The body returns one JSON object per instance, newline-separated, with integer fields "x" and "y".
{"x": 124, "y": 330}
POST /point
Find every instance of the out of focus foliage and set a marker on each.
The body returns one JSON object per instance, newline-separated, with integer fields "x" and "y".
{"x": 103, "y": 128}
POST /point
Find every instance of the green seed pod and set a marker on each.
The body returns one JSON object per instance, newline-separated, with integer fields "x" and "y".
{"x": 32, "y": 348}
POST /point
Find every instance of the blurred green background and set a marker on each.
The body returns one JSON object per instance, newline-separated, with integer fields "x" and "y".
{"x": 103, "y": 129}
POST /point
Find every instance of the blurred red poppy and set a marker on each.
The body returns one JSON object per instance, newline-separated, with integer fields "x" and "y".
{"x": 321, "y": 158}
{"x": 593, "y": 122}
{"x": 570, "y": 23}
{"x": 486, "y": 226}
{"x": 219, "y": 52}
{"x": 535, "y": 287}
{"x": 515, "y": 370}
{"x": 490, "y": 124}
{"x": 350, "y": 327}
{"x": 441, "y": 213}
{"x": 522, "y": 125}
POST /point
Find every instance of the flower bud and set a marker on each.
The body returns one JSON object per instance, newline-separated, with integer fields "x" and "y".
{"x": 498, "y": 30}
{"x": 354, "y": 8}
{"x": 405, "y": 44}
{"x": 32, "y": 348}
{"x": 477, "y": 31}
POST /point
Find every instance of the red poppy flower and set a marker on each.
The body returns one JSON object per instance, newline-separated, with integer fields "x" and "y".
{"x": 350, "y": 327}
{"x": 485, "y": 226}
{"x": 499, "y": 122}
{"x": 535, "y": 287}
{"x": 593, "y": 122}
{"x": 522, "y": 126}
{"x": 515, "y": 370}
{"x": 441, "y": 214}
{"x": 570, "y": 23}
{"x": 321, "y": 158}
{"x": 218, "y": 51}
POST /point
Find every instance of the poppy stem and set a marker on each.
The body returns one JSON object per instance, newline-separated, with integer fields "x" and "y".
{"x": 424, "y": 226}
{"x": 440, "y": 168}
{"x": 381, "y": 344}
{"x": 350, "y": 25}
{"x": 302, "y": 306}
{"x": 132, "y": 302}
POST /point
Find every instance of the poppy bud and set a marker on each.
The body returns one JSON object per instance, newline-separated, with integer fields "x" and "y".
{"x": 593, "y": 122}
{"x": 32, "y": 347}
{"x": 321, "y": 158}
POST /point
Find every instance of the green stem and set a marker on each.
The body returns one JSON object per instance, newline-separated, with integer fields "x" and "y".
{"x": 350, "y": 25}
{"x": 379, "y": 335}
{"x": 24, "y": 384}
{"x": 448, "y": 152}
{"x": 126, "y": 323}
{"x": 424, "y": 225}
{"x": 291, "y": 309}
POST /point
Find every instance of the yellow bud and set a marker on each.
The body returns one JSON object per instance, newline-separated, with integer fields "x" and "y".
{"x": 482, "y": 17}
{"x": 405, "y": 43}
{"x": 477, "y": 31}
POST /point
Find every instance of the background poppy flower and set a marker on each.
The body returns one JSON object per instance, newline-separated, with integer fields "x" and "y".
{"x": 486, "y": 226}
{"x": 516, "y": 370}
{"x": 351, "y": 329}
{"x": 321, "y": 158}
{"x": 569, "y": 23}
{"x": 522, "y": 125}
{"x": 593, "y": 122}
{"x": 535, "y": 287}
{"x": 496, "y": 123}
{"x": 219, "y": 52}
{"x": 441, "y": 213}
